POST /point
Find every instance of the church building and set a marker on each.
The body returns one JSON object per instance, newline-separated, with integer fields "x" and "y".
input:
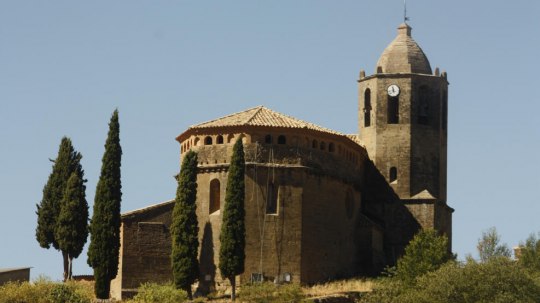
{"x": 319, "y": 204}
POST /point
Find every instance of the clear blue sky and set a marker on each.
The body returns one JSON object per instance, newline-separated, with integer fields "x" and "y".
{"x": 66, "y": 65}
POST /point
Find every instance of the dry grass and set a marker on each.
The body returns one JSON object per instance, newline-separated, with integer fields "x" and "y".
{"x": 341, "y": 286}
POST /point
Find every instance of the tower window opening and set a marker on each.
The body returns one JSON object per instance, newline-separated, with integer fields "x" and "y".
{"x": 214, "y": 204}
{"x": 281, "y": 139}
{"x": 323, "y": 146}
{"x": 423, "y": 106}
{"x": 219, "y": 139}
{"x": 367, "y": 108}
{"x": 271, "y": 200}
{"x": 331, "y": 147}
{"x": 208, "y": 140}
{"x": 393, "y": 174}
{"x": 268, "y": 139}
{"x": 314, "y": 144}
{"x": 393, "y": 110}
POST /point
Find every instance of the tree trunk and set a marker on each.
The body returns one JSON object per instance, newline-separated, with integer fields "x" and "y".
{"x": 189, "y": 293}
{"x": 66, "y": 265}
{"x": 233, "y": 285}
{"x": 70, "y": 267}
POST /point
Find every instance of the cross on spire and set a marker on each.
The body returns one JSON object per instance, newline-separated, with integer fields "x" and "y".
{"x": 405, "y": 18}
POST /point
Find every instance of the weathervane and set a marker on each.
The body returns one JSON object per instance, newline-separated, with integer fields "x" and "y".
{"x": 405, "y": 18}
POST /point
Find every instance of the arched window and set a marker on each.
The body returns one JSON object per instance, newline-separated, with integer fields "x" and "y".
{"x": 423, "y": 106}
{"x": 197, "y": 142}
{"x": 323, "y": 145}
{"x": 214, "y": 204}
{"x": 444, "y": 109}
{"x": 314, "y": 144}
{"x": 331, "y": 147}
{"x": 230, "y": 138}
{"x": 281, "y": 139}
{"x": 219, "y": 139}
{"x": 393, "y": 174}
{"x": 268, "y": 139}
{"x": 271, "y": 200}
{"x": 208, "y": 140}
{"x": 393, "y": 110}
{"x": 367, "y": 108}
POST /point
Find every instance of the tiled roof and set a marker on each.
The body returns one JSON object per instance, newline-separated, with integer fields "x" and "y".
{"x": 145, "y": 209}
{"x": 262, "y": 116}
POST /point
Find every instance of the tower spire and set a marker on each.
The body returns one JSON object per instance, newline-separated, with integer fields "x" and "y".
{"x": 405, "y": 18}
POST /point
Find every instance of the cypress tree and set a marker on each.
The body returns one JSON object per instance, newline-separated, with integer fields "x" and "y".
{"x": 105, "y": 224}
{"x": 185, "y": 228}
{"x": 67, "y": 162}
{"x": 233, "y": 234}
{"x": 72, "y": 224}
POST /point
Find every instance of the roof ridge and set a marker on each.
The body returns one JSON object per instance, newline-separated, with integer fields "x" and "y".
{"x": 259, "y": 108}
{"x": 222, "y": 117}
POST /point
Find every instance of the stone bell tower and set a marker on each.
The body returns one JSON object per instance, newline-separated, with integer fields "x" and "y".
{"x": 403, "y": 110}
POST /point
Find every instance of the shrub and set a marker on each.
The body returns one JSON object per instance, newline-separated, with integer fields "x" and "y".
{"x": 269, "y": 292}
{"x": 155, "y": 293}
{"x": 426, "y": 252}
{"x": 496, "y": 281}
{"x": 44, "y": 291}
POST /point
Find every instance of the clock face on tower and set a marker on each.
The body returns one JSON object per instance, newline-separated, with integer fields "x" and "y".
{"x": 393, "y": 90}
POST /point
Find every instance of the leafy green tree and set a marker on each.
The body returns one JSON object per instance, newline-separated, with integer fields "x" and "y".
{"x": 48, "y": 211}
{"x": 426, "y": 252}
{"x": 498, "y": 280}
{"x": 72, "y": 226}
{"x": 185, "y": 228}
{"x": 530, "y": 254}
{"x": 489, "y": 246}
{"x": 105, "y": 224}
{"x": 233, "y": 233}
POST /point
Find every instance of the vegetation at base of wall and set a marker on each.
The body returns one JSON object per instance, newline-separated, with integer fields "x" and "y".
{"x": 268, "y": 292}
{"x": 184, "y": 227}
{"x": 46, "y": 292}
{"x": 104, "y": 246}
{"x": 154, "y": 293}
{"x": 426, "y": 252}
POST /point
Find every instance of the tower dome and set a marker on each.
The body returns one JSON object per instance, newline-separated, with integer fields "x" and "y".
{"x": 403, "y": 55}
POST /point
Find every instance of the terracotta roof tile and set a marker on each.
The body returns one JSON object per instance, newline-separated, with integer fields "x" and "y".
{"x": 262, "y": 116}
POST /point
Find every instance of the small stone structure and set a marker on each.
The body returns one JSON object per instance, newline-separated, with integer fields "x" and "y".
{"x": 19, "y": 274}
{"x": 320, "y": 205}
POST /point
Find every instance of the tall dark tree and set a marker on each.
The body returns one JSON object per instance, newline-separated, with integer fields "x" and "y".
{"x": 72, "y": 224}
{"x": 105, "y": 224}
{"x": 67, "y": 162}
{"x": 185, "y": 228}
{"x": 233, "y": 232}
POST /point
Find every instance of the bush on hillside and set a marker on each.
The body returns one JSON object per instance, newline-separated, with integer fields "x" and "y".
{"x": 45, "y": 292}
{"x": 495, "y": 281}
{"x": 153, "y": 293}
{"x": 269, "y": 292}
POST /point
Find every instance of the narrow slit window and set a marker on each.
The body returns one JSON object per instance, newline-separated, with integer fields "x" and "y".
{"x": 393, "y": 174}
{"x": 423, "y": 106}
{"x": 271, "y": 199}
{"x": 367, "y": 108}
{"x": 214, "y": 196}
